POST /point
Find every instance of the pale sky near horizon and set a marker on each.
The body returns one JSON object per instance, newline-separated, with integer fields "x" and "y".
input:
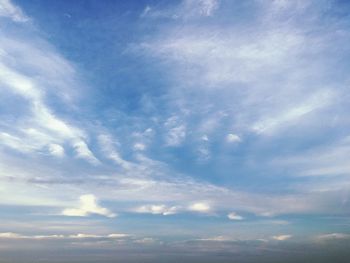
{"x": 143, "y": 130}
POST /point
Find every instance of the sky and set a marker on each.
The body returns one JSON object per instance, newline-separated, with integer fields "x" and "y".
{"x": 168, "y": 131}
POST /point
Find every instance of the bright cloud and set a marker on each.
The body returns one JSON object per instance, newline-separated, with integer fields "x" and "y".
{"x": 56, "y": 150}
{"x": 139, "y": 146}
{"x": 233, "y": 138}
{"x": 200, "y": 207}
{"x": 234, "y": 216}
{"x": 88, "y": 205}
{"x": 282, "y": 237}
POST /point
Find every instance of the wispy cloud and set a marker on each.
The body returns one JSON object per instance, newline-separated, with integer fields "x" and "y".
{"x": 10, "y": 235}
{"x": 176, "y": 131}
{"x": 217, "y": 239}
{"x": 187, "y": 9}
{"x": 39, "y": 126}
{"x": 333, "y": 236}
{"x": 108, "y": 147}
{"x": 157, "y": 209}
{"x": 7, "y": 9}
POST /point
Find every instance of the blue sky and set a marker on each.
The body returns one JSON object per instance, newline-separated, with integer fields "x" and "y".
{"x": 208, "y": 128}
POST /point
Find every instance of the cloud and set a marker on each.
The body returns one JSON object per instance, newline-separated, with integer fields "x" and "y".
{"x": 56, "y": 150}
{"x": 139, "y": 146}
{"x": 199, "y": 7}
{"x": 329, "y": 160}
{"x": 212, "y": 62}
{"x": 84, "y": 152}
{"x": 205, "y": 138}
{"x": 34, "y": 83}
{"x": 88, "y": 206}
{"x": 217, "y": 239}
{"x": 107, "y": 145}
{"x": 333, "y": 236}
{"x": 146, "y": 240}
{"x": 220, "y": 58}
{"x": 282, "y": 237}
{"x": 234, "y": 216}
{"x": 200, "y": 207}
{"x": 7, "y": 9}
{"x": 14, "y": 142}
{"x": 10, "y": 235}
{"x": 146, "y": 11}
{"x": 157, "y": 209}
{"x": 175, "y": 131}
{"x": 187, "y": 9}
{"x": 316, "y": 101}
{"x": 112, "y": 236}
{"x": 233, "y": 138}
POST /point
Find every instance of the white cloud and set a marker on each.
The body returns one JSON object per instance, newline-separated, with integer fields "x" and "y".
{"x": 233, "y": 138}
{"x": 329, "y": 160}
{"x": 199, "y": 7}
{"x": 14, "y": 142}
{"x": 108, "y": 146}
{"x": 88, "y": 205}
{"x": 333, "y": 236}
{"x": 157, "y": 209}
{"x": 282, "y": 237}
{"x": 234, "y": 216}
{"x": 176, "y": 135}
{"x": 175, "y": 131}
{"x": 221, "y": 58}
{"x": 10, "y": 235}
{"x": 117, "y": 235}
{"x": 84, "y": 236}
{"x": 7, "y": 9}
{"x": 205, "y": 138}
{"x": 56, "y": 150}
{"x": 217, "y": 239}
{"x": 199, "y": 207}
{"x": 19, "y": 83}
{"x": 38, "y": 126}
{"x": 187, "y": 9}
{"x": 316, "y": 101}
{"x": 84, "y": 152}
{"x": 139, "y": 146}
